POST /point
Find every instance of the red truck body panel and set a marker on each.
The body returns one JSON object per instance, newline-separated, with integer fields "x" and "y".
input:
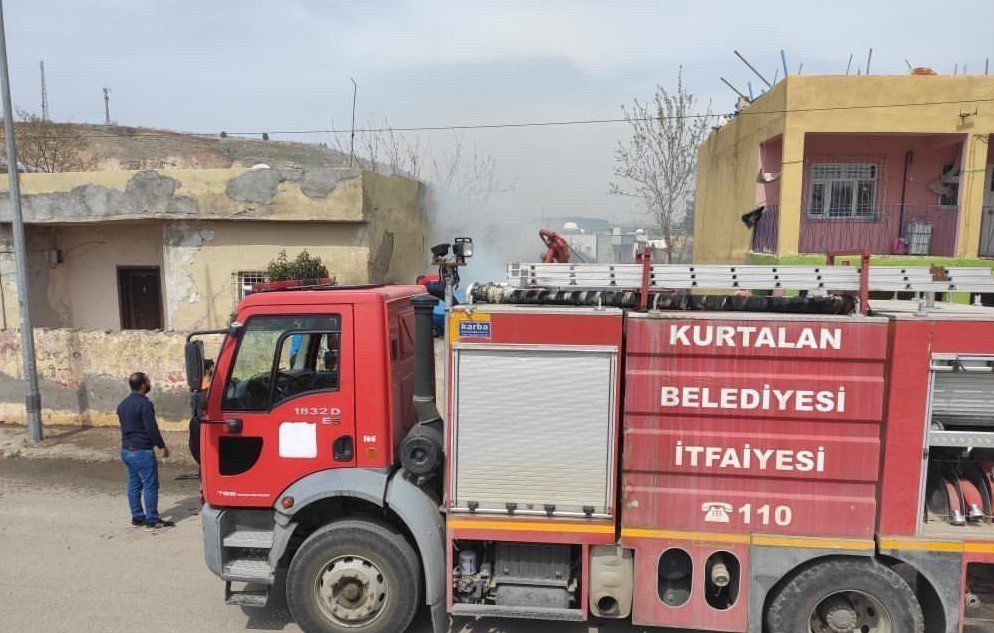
{"x": 915, "y": 340}
{"x": 375, "y": 321}
{"x": 753, "y": 425}
{"x": 757, "y": 424}
{"x": 724, "y": 434}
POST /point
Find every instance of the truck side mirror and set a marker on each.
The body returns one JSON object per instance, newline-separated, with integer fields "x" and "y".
{"x": 194, "y": 353}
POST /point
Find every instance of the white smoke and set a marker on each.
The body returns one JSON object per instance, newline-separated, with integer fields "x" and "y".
{"x": 462, "y": 196}
{"x": 497, "y": 240}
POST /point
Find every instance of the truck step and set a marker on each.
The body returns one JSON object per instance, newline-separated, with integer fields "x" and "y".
{"x": 246, "y": 597}
{"x": 249, "y": 570}
{"x": 251, "y": 539}
{"x": 532, "y": 613}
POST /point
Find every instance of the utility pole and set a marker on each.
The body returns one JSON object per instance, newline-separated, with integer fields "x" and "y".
{"x": 106, "y": 105}
{"x": 355, "y": 89}
{"x": 33, "y": 399}
{"x": 44, "y": 92}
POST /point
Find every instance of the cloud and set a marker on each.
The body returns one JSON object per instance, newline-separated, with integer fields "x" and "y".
{"x": 265, "y": 64}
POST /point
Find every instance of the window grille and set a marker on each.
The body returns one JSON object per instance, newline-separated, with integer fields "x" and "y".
{"x": 842, "y": 190}
{"x": 241, "y": 283}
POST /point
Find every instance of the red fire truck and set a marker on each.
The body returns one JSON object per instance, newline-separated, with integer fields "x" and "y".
{"x": 617, "y": 444}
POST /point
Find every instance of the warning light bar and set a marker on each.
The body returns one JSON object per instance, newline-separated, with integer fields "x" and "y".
{"x": 318, "y": 283}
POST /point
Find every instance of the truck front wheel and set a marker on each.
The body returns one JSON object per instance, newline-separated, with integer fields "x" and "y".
{"x": 354, "y": 576}
{"x": 843, "y": 595}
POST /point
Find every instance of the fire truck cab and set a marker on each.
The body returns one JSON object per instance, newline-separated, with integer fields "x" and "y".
{"x": 614, "y": 446}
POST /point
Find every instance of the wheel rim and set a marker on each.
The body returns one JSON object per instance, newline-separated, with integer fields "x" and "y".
{"x": 351, "y": 591}
{"x": 850, "y": 612}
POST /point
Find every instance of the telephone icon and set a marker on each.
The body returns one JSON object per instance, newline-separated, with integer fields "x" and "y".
{"x": 716, "y": 512}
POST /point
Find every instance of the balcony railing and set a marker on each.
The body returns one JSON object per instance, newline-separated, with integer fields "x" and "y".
{"x": 888, "y": 230}
{"x": 764, "y": 235}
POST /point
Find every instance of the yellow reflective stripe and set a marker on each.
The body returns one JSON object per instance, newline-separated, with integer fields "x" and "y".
{"x": 678, "y": 535}
{"x": 921, "y": 546}
{"x": 979, "y": 548}
{"x": 531, "y": 526}
{"x": 746, "y": 539}
{"x": 813, "y": 543}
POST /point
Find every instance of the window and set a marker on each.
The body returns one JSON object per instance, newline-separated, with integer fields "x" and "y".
{"x": 242, "y": 281}
{"x": 306, "y": 350}
{"x": 842, "y": 190}
{"x": 951, "y": 197}
{"x": 140, "y": 295}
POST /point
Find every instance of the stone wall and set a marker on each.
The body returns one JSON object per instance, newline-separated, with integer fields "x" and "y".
{"x": 83, "y": 375}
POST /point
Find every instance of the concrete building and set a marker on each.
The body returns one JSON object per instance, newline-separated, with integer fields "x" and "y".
{"x": 122, "y": 263}
{"x": 174, "y": 249}
{"x": 898, "y": 165}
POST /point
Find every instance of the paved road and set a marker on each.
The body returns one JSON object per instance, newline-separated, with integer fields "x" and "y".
{"x": 70, "y": 561}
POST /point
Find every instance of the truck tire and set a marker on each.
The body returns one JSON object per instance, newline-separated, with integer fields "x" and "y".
{"x": 356, "y": 576}
{"x": 845, "y": 595}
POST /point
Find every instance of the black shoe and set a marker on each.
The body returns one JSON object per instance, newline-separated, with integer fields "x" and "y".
{"x": 161, "y": 523}
{"x": 138, "y": 522}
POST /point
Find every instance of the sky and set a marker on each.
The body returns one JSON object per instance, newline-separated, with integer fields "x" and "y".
{"x": 265, "y": 65}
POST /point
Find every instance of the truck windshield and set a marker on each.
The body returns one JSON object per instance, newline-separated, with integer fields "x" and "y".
{"x": 305, "y": 361}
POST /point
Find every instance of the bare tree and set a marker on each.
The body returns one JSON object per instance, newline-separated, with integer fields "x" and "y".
{"x": 50, "y": 147}
{"x": 467, "y": 176}
{"x": 656, "y": 165}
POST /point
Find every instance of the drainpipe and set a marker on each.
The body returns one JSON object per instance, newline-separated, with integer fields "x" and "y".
{"x": 909, "y": 156}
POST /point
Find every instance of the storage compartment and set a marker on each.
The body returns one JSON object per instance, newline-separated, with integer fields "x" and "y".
{"x": 962, "y": 392}
{"x": 958, "y": 494}
{"x": 534, "y": 429}
{"x": 675, "y": 577}
{"x": 721, "y": 580}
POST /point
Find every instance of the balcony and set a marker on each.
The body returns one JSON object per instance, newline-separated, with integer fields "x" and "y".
{"x": 883, "y": 230}
{"x": 924, "y": 230}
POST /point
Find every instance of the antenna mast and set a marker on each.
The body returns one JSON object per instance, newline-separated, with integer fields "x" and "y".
{"x": 44, "y": 92}
{"x": 106, "y": 105}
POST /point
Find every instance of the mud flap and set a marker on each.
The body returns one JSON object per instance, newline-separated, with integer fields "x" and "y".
{"x": 424, "y": 519}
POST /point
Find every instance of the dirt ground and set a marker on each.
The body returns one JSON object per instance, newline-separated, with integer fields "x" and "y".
{"x": 70, "y": 560}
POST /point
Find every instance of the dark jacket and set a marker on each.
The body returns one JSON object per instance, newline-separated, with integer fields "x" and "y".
{"x": 139, "y": 431}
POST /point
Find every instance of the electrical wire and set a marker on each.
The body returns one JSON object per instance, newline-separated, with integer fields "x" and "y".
{"x": 491, "y": 126}
{"x": 140, "y": 134}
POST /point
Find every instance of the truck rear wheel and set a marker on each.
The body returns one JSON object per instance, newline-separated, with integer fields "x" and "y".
{"x": 355, "y": 576}
{"x": 845, "y": 596}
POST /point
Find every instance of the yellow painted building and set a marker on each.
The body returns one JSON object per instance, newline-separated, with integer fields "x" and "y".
{"x": 900, "y": 166}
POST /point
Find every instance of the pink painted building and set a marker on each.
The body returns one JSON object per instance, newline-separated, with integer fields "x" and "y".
{"x": 894, "y": 165}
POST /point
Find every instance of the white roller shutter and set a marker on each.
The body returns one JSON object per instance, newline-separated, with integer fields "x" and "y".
{"x": 534, "y": 427}
{"x": 963, "y": 391}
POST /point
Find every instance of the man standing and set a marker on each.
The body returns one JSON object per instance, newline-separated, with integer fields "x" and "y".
{"x": 139, "y": 435}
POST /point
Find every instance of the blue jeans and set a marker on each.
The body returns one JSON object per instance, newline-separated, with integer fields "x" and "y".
{"x": 143, "y": 475}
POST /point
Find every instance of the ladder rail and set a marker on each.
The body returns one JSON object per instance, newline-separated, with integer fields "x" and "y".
{"x": 824, "y": 278}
